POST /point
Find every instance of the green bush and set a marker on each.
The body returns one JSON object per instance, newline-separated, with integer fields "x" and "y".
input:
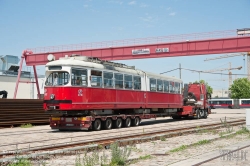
{"x": 119, "y": 155}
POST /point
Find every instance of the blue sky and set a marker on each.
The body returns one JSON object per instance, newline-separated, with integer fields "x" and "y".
{"x": 32, "y": 23}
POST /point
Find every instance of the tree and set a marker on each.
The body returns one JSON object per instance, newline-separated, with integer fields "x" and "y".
{"x": 240, "y": 89}
{"x": 209, "y": 88}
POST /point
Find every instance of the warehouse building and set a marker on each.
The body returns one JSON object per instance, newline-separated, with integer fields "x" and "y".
{"x": 8, "y": 77}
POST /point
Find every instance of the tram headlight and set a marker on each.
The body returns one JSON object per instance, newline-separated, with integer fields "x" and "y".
{"x": 52, "y": 97}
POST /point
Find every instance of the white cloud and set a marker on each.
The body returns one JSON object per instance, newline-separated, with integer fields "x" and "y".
{"x": 85, "y": 6}
{"x": 168, "y": 8}
{"x": 143, "y": 5}
{"x": 118, "y": 28}
{"x": 115, "y": 1}
{"x": 132, "y": 3}
{"x": 146, "y": 19}
{"x": 172, "y": 13}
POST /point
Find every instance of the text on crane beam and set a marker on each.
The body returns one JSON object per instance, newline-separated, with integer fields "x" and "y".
{"x": 159, "y": 50}
{"x": 141, "y": 51}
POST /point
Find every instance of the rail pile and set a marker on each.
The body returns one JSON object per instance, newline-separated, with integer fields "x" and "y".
{"x": 15, "y": 112}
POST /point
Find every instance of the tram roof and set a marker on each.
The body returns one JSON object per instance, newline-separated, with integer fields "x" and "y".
{"x": 77, "y": 62}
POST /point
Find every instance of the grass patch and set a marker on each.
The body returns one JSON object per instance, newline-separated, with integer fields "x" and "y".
{"x": 135, "y": 149}
{"x": 202, "y": 142}
{"x": 21, "y": 162}
{"x": 181, "y": 148}
{"x": 145, "y": 157}
{"x": 162, "y": 138}
{"x": 119, "y": 155}
{"x": 28, "y": 125}
{"x": 243, "y": 130}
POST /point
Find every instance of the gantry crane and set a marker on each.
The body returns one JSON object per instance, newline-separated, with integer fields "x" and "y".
{"x": 233, "y": 55}
{"x": 230, "y": 80}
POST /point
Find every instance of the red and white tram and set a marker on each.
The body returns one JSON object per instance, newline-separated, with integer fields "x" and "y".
{"x": 84, "y": 93}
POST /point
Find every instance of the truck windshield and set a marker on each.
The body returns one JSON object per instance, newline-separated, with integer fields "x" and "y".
{"x": 57, "y": 79}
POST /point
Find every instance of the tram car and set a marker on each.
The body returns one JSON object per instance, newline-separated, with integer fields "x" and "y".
{"x": 229, "y": 103}
{"x": 88, "y": 93}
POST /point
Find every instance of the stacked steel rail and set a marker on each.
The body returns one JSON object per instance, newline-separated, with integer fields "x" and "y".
{"x": 14, "y": 112}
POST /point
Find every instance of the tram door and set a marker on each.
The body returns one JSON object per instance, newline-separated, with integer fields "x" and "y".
{"x": 236, "y": 103}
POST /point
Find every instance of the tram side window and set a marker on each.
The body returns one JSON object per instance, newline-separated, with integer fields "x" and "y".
{"x": 118, "y": 80}
{"x": 152, "y": 83}
{"x": 245, "y": 101}
{"x": 177, "y": 87}
{"x": 137, "y": 83}
{"x": 128, "y": 81}
{"x": 108, "y": 79}
{"x": 166, "y": 86}
{"x": 57, "y": 78}
{"x": 79, "y": 77}
{"x": 159, "y": 85}
{"x": 96, "y": 78}
{"x": 171, "y": 87}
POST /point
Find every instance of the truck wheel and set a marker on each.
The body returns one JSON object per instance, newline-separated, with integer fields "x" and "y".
{"x": 205, "y": 114}
{"x": 198, "y": 114}
{"x": 107, "y": 124}
{"x": 136, "y": 121}
{"x": 117, "y": 123}
{"x": 127, "y": 122}
{"x": 96, "y": 125}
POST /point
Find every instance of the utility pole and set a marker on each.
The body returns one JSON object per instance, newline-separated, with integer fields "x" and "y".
{"x": 180, "y": 69}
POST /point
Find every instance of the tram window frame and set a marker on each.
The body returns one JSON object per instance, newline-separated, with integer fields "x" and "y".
{"x": 137, "y": 82}
{"x": 118, "y": 80}
{"x": 166, "y": 88}
{"x": 57, "y": 78}
{"x": 158, "y": 88}
{"x": 177, "y": 87}
{"x": 128, "y": 81}
{"x": 171, "y": 87}
{"x": 81, "y": 77}
{"x": 96, "y": 75}
{"x": 152, "y": 84}
{"x": 108, "y": 83}
{"x": 245, "y": 101}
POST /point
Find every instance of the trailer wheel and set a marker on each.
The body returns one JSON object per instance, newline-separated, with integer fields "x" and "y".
{"x": 205, "y": 114}
{"x": 107, "y": 124}
{"x": 127, "y": 122}
{"x": 117, "y": 123}
{"x": 136, "y": 121}
{"x": 176, "y": 117}
{"x": 96, "y": 125}
{"x": 198, "y": 114}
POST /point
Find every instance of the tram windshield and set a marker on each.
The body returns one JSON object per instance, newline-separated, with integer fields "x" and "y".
{"x": 57, "y": 79}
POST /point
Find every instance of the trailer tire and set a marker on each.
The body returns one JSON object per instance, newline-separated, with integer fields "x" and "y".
{"x": 117, "y": 123}
{"x": 107, "y": 124}
{"x": 176, "y": 117}
{"x": 205, "y": 114}
{"x": 127, "y": 122}
{"x": 136, "y": 121}
{"x": 96, "y": 125}
{"x": 198, "y": 114}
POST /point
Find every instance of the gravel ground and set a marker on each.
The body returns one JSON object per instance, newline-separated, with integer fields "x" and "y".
{"x": 157, "y": 150}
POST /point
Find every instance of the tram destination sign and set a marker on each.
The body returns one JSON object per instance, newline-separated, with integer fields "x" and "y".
{"x": 141, "y": 51}
{"x": 159, "y": 50}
